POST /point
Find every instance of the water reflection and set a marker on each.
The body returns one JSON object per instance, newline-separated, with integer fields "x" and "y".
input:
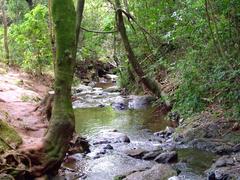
{"x": 91, "y": 120}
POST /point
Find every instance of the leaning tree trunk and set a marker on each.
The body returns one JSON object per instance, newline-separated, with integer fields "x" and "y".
{"x": 5, "y": 37}
{"x": 151, "y": 85}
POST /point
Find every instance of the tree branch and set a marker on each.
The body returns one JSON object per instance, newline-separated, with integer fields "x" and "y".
{"x": 100, "y": 32}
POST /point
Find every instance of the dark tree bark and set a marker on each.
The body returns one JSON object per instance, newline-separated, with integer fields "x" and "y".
{"x": 30, "y": 4}
{"x": 151, "y": 85}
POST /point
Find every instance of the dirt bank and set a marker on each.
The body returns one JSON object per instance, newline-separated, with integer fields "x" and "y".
{"x": 19, "y": 95}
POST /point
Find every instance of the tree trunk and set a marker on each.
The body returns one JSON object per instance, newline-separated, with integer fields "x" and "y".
{"x": 30, "y": 4}
{"x": 51, "y": 32}
{"x": 48, "y": 158}
{"x": 151, "y": 85}
{"x": 5, "y": 37}
{"x": 79, "y": 10}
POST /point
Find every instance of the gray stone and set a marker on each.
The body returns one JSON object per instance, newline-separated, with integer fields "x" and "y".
{"x": 167, "y": 157}
{"x": 136, "y": 153}
{"x": 111, "y": 137}
{"x": 109, "y": 147}
{"x": 152, "y": 155}
{"x": 112, "y": 89}
{"x": 157, "y": 172}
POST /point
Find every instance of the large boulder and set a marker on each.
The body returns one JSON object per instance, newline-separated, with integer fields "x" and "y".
{"x": 157, "y": 172}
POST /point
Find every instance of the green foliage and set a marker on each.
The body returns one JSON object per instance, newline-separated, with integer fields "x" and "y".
{"x": 205, "y": 64}
{"x": 29, "y": 41}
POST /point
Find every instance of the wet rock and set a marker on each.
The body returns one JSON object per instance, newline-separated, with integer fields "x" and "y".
{"x": 102, "y": 152}
{"x": 160, "y": 134}
{"x": 81, "y": 88}
{"x": 165, "y": 133}
{"x": 136, "y": 153}
{"x": 140, "y": 102}
{"x": 120, "y": 103}
{"x": 157, "y": 172}
{"x": 236, "y": 148}
{"x": 109, "y": 147}
{"x": 174, "y": 178}
{"x": 112, "y": 89}
{"x": 226, "y": 167}
{"x": 152, "y": 155}
{"x": 212, "y": 145}
{"x": 224, "y": 161}
{"x": 167, "y": 157}
{"x": 111, "y": 137}
{"x": 169, "y": 130}
{"x": 111, "y": 77}
{"x": 79, "y": 145}
{"x": 101, "y": 142}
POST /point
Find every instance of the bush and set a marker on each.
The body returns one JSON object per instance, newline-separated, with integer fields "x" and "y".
{"x": 29, "y": 41}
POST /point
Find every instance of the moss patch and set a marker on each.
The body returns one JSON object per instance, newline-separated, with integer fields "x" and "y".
{"x": 8, "y": 137}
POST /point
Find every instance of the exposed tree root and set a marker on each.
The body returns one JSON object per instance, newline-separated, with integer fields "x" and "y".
{"x": 14, "y": 165}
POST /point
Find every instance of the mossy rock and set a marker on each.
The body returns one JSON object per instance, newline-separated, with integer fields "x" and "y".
{"x": 9, "y": 138}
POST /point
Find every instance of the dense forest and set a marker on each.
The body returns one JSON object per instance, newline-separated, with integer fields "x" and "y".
{"x": 118, "y": 89}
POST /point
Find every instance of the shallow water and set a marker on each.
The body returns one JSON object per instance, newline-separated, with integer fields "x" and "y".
{"x": 139, "y": 126}
{"x": 132, "y": 122}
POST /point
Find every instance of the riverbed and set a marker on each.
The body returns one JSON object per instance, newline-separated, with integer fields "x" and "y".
{"x": 119, "y": 127}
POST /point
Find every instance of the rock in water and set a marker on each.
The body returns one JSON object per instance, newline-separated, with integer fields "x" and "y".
{"x": 79, "y": 145}
{"x": 152, "y": 155}
{"x": 111, "y": 137}
{"x": 167, "y": 157}
{"x": 136, "y": 153}
{"x": 157, "y": 172}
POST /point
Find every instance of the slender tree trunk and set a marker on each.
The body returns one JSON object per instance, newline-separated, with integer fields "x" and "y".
{"x": 51, "y": 32}
{"x": 79, "y": 10}
{"x": 5, "y": 37}
{"x": 151, "y": 85}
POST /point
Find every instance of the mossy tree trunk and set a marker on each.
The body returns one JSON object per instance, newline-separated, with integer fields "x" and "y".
{"x": 150, "y": 84}
{"x": 48, "y": 158}
{"x": 62, "y": 123}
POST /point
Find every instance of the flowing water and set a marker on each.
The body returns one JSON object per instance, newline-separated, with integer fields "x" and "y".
{"x": 139, "y": 125}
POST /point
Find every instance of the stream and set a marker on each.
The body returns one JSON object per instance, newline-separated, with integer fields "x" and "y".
{"x": 120, "y": 129}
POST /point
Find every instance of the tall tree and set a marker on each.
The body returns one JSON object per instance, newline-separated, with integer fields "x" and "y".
{"x": 150, "y": 84}
{"x": 5, "y": 26}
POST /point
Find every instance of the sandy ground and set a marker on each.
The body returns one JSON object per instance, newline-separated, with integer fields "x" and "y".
{"x": 19, "y": 96}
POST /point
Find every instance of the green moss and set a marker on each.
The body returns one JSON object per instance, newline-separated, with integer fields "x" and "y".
{"x": 233, "y": 137}
{"x": 119, "y": 177}
{"x": 8, "y": 137}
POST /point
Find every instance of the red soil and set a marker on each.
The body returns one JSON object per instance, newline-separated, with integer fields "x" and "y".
{"x": 19, "y": 96}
